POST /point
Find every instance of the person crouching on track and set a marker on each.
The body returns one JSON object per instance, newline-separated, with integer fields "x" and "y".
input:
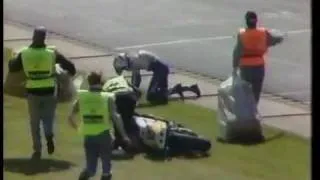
{"x": 126, "y": 97}
{"x": 158, "y": 91}
{"x": 97, "y": 111}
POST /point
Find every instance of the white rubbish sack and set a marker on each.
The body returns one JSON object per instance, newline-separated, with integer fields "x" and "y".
{"x": 237, "y": 110}
{"x": 66, "y": 88}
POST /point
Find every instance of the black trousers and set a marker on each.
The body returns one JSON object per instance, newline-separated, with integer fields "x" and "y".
{"x": 158, "y": 87}
{"x": 255, "y": 76}
{"x": 126, "y": 105}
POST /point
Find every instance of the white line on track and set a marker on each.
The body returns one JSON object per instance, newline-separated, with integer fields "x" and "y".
{"x": 299, "y": 31}
{"x": 293, "y": 93}
{"x": 182, "y": 41}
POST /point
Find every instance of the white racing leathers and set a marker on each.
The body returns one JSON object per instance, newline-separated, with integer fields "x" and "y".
{"x": 168, "y": 138}
{"x": 153, "y": 133}
{"x": 237, "y": 111}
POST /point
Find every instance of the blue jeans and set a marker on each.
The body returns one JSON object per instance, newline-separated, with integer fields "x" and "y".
{"x": 98, "y": 147}
{"x": 41, "y": 108}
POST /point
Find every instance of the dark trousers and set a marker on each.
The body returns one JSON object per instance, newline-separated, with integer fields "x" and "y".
{"x": 255, "y": 76}
{"x": 126, "y": 105}
{"x": 98, "y": 147}
{"x": 158, "y": 87}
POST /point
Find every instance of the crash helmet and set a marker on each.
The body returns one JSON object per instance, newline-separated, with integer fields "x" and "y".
{"x": 121, "y": 62}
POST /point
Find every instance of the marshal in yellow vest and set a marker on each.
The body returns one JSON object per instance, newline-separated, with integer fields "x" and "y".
{"x": 94, "y": 112}
{"x": 39, "y": 67}
{"x": 117, "y": 84}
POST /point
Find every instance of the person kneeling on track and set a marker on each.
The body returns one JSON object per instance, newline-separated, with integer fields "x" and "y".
{"x": 158, "y": 91}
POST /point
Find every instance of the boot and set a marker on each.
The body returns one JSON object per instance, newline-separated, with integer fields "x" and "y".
{"x": 177, "y": 89}
{"x": 195, "y": 89}
{"x": 106, "y": 177}
{"x": 50, "y": 144}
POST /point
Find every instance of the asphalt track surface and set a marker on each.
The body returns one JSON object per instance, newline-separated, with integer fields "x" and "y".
{"x": 192, "y": 34}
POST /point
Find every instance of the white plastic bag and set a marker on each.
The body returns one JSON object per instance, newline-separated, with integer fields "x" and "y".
{"x": 238, "y": 97}
{"x": 237, "y": 109}
{"x": 244, "y": 103}
{"x": 66, "y": 87}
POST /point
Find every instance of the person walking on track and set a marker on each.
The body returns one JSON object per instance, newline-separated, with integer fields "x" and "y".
{"x": 38, "y": 63}
{"x": 248, "y": 54}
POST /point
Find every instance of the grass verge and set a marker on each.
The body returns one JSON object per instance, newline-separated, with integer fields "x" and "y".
{"x": 284, "y": 156}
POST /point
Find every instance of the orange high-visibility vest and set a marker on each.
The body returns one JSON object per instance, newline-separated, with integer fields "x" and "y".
{"x": 254, "y": 43}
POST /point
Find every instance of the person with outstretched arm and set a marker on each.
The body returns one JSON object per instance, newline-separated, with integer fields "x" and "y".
{"x": 38, "y": 63}
{"x": 248, "y": 55}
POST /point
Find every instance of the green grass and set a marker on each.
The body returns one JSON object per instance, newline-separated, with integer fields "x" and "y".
{"x": 285, "y": 157}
